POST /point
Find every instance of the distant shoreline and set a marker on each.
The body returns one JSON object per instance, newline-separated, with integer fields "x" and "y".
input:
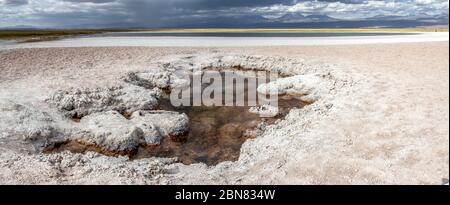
{"x": 36, "y": 35}
{"x": 327, "y": 30}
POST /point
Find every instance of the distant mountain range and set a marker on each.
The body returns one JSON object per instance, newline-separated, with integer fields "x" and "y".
{"x": 442, "y": 19}
{"x": 297, "y": 20}
{"x": 19, "y": 27}
{"x": 380, "y": 20}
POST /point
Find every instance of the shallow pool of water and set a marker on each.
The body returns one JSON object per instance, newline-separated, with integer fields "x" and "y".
{"x": 217, "y": 132}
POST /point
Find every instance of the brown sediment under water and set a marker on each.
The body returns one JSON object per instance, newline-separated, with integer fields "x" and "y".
{"x": 216, "y": 133}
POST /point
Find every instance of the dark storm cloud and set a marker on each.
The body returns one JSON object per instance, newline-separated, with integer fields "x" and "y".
{"x": 85, "y": 20}
{"x": 91, "y": 1}
{"x": 15, "y": 2}
{"x": 346, "y": 1}
{"x": 177, "y": 12}
{"x": 182, "y": 12}
{"x": 221, "y": 4}
{"x": 185, "y": 13}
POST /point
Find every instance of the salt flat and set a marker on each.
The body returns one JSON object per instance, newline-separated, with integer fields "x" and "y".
{"x": 382, "y": 120}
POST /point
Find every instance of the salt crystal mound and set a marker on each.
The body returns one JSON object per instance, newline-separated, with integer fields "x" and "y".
{"x": 112, "y": 132}
{"x": 126, "y": 98}
{"x": 24, "y": 122}
{"x": 308, "y": 88}
{"x": 151, "y": 135}
{"x": 168, "y": 123}
{"x": 157, "y": 78}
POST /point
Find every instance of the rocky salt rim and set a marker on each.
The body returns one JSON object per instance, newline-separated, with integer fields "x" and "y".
{"x": 309, "y": 87}
{"x": 294, "y": 67}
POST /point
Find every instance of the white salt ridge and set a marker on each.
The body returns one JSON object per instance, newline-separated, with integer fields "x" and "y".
{"x": 78, "y": 102}
{"x": 113, "y": 132}
{"x": 109, "y": 130}
{"x": 309, "y": 88}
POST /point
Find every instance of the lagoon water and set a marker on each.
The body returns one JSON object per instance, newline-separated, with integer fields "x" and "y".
{"x": 6, "y": 42}
{"x": 152, "y": 39}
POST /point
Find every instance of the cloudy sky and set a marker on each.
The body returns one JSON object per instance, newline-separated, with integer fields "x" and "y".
{"x": 180, "y": 13}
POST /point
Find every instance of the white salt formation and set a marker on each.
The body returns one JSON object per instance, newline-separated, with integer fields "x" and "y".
{"x": 126, "y": 98}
